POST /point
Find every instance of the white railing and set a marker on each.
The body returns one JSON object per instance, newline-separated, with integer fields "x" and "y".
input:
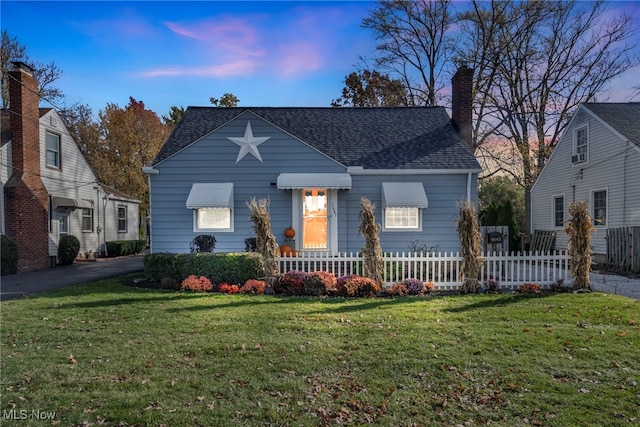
{"x": 443, "y": 269}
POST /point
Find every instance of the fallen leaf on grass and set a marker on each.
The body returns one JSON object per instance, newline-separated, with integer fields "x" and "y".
{"x": 71, "y": 360}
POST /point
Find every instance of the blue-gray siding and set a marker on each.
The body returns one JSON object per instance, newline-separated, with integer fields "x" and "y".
{"x": 213, "y": 159}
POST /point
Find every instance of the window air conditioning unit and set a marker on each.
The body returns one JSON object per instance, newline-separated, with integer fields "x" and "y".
{"x": 574, "y": 158}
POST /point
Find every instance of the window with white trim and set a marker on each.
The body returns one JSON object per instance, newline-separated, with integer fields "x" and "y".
{"x": 53, "y": 150}
{"x": 404, "y": 218}
{"x": 558, "y": 211}
{"x": 87, "y": 220}
{"x": 213, "y": 219}
{"x": 599, "y": 199}
{"x": 122, "y": 219}
{"x": 580, "y": 145}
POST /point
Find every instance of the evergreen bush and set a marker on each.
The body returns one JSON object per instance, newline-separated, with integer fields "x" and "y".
{"x": 203, "y": 243}
{"x": 9, "y": 256}
{"x": 233, "y": 267}
{"x": 126, "y": 247}
{"x": 68, "y": 249}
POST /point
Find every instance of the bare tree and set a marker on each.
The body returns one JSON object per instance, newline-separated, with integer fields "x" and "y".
{"x": 46, "y": 74}
{"x": 535, "y": 62}
{"x": 414, "y": 44}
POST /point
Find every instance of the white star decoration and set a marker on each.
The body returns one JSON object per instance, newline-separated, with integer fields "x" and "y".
{"x": 248, "y": 144}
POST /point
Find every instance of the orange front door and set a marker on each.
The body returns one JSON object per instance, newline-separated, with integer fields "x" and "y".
{"x": 314, "y": 219}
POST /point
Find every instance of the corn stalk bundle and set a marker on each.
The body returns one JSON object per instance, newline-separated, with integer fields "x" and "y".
{"x": 266, "y": 244}
{"x": 579, "y": 229}
{"x": 472, "y": 261}
{"x": 372, "y": 251}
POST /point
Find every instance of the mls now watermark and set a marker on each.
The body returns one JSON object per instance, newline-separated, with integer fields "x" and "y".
{"x": 23, "y": 414}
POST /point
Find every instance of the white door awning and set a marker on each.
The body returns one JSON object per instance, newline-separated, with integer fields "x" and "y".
{"x": 65, "y": 203}
{"x": 404, "y": 195}
{"x": 297, "y": 181}
{"x": 210, "y": 195}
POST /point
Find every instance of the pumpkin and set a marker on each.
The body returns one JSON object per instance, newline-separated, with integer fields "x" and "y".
{"x": 285, "y": 250}
{"x": 289, "y": 233}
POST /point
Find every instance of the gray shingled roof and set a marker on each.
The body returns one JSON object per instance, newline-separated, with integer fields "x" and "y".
{"x": 623, "y": 117}
{"x": 6, "y": 133}
{"x": 375, "y": 138}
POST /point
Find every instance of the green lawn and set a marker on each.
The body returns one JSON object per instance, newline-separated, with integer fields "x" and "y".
{"x": 104, "y": 354}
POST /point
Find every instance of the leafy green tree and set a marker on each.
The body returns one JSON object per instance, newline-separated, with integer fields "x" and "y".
{"x": 226, "y": 100}
{"x": 175, "y": 114}
{"x": 501, "y": 202}
{"x": 371, "y": 89}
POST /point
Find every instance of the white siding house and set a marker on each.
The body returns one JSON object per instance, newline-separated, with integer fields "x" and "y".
{"x": 48, "y": 188}
{"x": 596, "y": 160}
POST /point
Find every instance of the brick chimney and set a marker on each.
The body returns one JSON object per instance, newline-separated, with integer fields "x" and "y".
{"x": 27, "y": 200}
{"x": 461, "y": 103}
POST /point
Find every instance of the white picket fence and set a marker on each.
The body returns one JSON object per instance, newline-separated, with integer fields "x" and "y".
{"x": 443, "y": 269}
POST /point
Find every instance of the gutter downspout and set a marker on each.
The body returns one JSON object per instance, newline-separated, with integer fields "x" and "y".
{"x": 104, "y": 221}
{"x": 149, "y": 170}
{"x": 469, "y": 187}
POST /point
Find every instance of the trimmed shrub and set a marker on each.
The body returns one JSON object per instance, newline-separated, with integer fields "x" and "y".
{"x": 290, "y": 283}
{"x": 126, "y": 247}
{"x": 357, "y": 286}
{"x": 236, "y": 267}
{"x": 319, "y": 283}
{"x": 68, "y": 249}
{"x": 196, "y": 284}
{"x": 253, "y": 287}
{"x": 203, "y": 243}
{"x": 9, "y": 252}
{"x": 159, "y": 266}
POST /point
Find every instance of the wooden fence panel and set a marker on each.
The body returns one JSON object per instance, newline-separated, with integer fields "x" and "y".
{"x": 623, "y": 249}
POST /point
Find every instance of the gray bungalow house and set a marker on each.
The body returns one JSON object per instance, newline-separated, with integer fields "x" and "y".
{"x": 314, "y": 165}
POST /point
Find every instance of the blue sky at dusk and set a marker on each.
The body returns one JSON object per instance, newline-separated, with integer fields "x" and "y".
{"x": 167, "y": 53}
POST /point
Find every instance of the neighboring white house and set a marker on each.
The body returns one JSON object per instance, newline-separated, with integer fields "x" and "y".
{"x": 596, "y": 160}
{"x": 49, "y": 190}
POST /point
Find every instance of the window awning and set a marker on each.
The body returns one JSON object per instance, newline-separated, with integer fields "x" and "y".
{"x": 296, "y": 181}
{"x": 210, "y": 195}
{"x": 404, "y": 195}
{"x": 67, "y": 203}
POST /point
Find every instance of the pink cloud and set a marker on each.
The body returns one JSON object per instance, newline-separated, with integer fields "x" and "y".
{"x": 298, "y": 57}
{"x": 232, "y": 35}
{"x": 292, "y": 43}
{"x": 243, "y": 67}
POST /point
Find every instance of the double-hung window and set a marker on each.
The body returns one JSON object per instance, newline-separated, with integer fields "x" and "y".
{"x": 122, "y": 219}
{"x": 580, "y": 145}
{"x": 53, "y": 150}
{"x": 87, "y": 219}
{"x": 599, "y": 203}
{"x": 558, "y": 211}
